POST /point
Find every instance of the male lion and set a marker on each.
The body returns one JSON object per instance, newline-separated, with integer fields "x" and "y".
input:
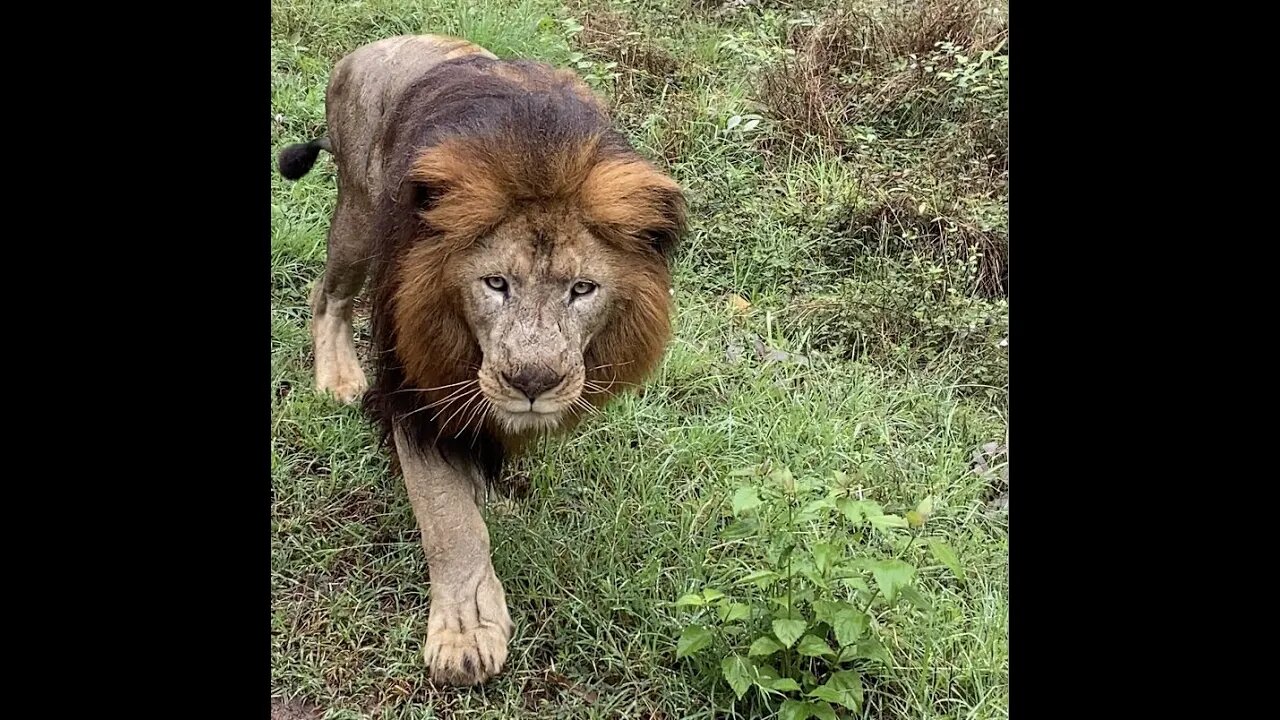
{"x": 519, "y": 251}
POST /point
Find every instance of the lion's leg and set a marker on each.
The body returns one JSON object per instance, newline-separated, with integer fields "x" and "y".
{"x": 468, "y": 626}
{"x": 337, "y": 365}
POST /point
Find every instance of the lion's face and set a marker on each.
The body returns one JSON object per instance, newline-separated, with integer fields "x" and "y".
{"x": 535, "y": 292}
{"x": 533, "y": 280}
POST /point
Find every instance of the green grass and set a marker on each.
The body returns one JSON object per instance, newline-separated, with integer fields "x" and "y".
{"x": 824, "y": 235}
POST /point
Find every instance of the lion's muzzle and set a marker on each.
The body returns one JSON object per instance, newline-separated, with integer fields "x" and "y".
{"x": 534, "y": 382}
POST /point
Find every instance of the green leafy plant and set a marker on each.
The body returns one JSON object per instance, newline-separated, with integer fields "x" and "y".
{"x": 596, "y": 73}
{"x": 984, "y": 79}
{"x": 806, "y": 628}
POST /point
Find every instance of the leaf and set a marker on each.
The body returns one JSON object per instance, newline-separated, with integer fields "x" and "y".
{"x": 824, "y": 555}
{"x": 750, "y": 125}
{"x": 765, "y": 671}
{"x": 827, "y": 695}
{"x": 812, "y": 646}
{"x": 915, "y": 519}
{"x": 869, "y": 648}
{"x": 856, "y": 584}
{"x": 711, "y": 595}
{"x": 884, "y": 522}
{"x": 760, "y": 578}
{"x": 810, "y": 511}
{"x": 783, "y": 685}
{"x": 825, "y": 610}
{"x": 843, "y": 688}
{"x": 737, "y": 671}
{"x": 783, "y": 477}
{"x": 943, "y": 553}
{"x": 847, "y": 681}
{"x": 746, "y": 499}
{"x": 690, "y": 599}
{"x": 738, "y": 530}
{"x": 764, "y": 645}
{"x": 795, "y": 710}
{"x": 745, "y": 472}
{"x": 850, "y": 624}
{"x": 783, "y": 603}
{"x": 766, "y": 674}
{"x": 822, "y": 712}
{"x": 913, "y": 596}
{"x": 784, "y": 553}
{"x": 767, "y": 678}
{"x": 925, "y": 507}
{"x": 789, "y": 630}
{"x": 734, "y": 612}
{"x": 891, "y": 575}
{"x": 810, "y": 573}
{"x": 858, "y": 510}
{"x": 692, "y": 639}
{"x": 733, "y": 122}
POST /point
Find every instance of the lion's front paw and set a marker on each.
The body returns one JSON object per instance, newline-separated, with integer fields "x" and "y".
{"x": 347, "y": 385}
{"x": 467, "y": 638}
{"x": 467, "y": 657}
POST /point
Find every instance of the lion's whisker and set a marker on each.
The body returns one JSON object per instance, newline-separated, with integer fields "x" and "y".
{"x": 462, "y": 407}
{"x": 487, "y": 404}
{"x": 595, "y": 388}
{"x": 411, "y": 413}
{"x": 472, "y": 415}
{"x": 609, "y": 365}
{"x": 454, "y": 395}
{"x": 432, "y": 389}
{"x": 586, "y": 406}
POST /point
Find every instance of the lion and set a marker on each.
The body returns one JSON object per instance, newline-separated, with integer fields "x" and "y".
{"x": 519, "y": 256}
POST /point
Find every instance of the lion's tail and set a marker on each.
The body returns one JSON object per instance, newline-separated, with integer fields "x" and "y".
{"x": 296, "y": 160}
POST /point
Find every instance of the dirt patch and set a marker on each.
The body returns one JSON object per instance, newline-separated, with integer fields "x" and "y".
{"x": 293, "y": 710}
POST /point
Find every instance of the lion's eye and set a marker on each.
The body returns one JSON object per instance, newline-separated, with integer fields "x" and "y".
{"x": 496, "y": 282}
{"x": 582, "y": 287}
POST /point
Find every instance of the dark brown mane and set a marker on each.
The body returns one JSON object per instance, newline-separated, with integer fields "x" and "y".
{"x": 473, "y": 141}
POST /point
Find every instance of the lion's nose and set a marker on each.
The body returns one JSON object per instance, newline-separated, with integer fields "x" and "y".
{"x": 533, "y": 381}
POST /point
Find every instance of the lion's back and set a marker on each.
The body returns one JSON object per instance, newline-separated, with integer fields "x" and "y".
{"x": 366, "y": 84}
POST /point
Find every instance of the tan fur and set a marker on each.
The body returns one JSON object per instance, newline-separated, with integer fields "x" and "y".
{"x": 468, "y": 625}
{"x": 337, "y": 366}
{"x": 590, "y": 215}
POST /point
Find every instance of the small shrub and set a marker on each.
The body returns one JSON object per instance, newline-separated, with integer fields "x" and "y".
{"x": 804, "y": 621}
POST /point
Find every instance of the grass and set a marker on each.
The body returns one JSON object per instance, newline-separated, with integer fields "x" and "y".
{"x": 854, "y": 203}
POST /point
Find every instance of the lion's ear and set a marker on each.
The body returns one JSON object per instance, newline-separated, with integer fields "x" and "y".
{"x": 631, "y": 200}
{"x": 424, "y": 196}
{"x": 664, "y": 235}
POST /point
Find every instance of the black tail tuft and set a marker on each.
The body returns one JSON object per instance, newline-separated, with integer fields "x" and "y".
{"x": 296, "y": 160}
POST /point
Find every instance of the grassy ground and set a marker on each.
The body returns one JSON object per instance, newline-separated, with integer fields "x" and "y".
{"x": 840, "y": 308}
